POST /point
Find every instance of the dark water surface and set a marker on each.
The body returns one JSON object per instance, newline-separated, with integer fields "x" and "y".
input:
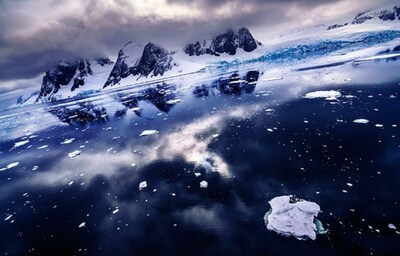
{"x": 250, "y": 143}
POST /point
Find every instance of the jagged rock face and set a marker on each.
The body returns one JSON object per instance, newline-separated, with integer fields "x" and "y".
{"x": 66, "y": 73}
{"x": 246, "y": 40}
{"x": 336, "y": 26}
{"x": 225, "y": 43}
{"x": 120, "y": 69}
{"x": 384, "y": 15}
{"x": 155, "y": 60}
{"x": 199, "y": 49}
{"x": 56, "y": 77}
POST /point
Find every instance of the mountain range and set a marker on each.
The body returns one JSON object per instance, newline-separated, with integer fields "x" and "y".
{"x": 133, "y": 62}
{"x": 385, "y": 14}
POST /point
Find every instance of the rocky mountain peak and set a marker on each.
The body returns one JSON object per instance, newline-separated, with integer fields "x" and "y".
{"x": 228, "y": 42}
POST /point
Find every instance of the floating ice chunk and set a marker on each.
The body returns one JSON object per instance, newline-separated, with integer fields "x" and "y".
{"x": 68, "y": 141}
{"x": 328, "y": 95}
{"x": 34, "y": 168}
{"x": 361, "y": 121}
{"x": 379, "y": 125}
{"x": 215, "y": 135}
{"x": 197, "y": 174}
{"x": 204, "y": 184}
{"x": 8, "y": 217}
{"x": 12, "y": 165}
{"x": 294, "y": 217}
{"x": 172, "y": 102}
{"x": 133, "y": 164}
{"x": 44, "y": 146}
{"x": 392, "y": 226}
{"x": 115, "y": 211}
{"x": 20, "y": 143}
{"x": 74, "y": 154}
{"x": 272, "y": 78}
{"x": 148, "y": 132}
{"x": 142, "y": 185}
{"x": 82, "y": 225}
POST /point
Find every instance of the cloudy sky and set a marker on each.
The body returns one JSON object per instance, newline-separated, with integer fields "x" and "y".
{"x": 36, "y": 34}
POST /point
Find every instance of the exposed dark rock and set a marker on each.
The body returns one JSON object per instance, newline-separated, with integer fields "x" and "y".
{"x": 155, "y": 60}
{"x": 228, "y": 42}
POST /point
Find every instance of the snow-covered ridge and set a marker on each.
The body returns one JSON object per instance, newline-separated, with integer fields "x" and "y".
{"x": 384, "y": 14}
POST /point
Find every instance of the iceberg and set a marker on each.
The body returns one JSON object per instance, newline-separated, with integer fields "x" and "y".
{"x": 148, "y": 132}
{"x": 361, "y": 121}
{"x": 290, "y": 216}
{"x": 328, "y": 95}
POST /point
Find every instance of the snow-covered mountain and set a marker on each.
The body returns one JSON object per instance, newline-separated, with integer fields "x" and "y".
{"x": 72, "y": 75}
{"x": 228, "y": 42}
{"x": 71, "y": 78}
{"x": 155, "y": 60}
{"x": 384, "y": 14}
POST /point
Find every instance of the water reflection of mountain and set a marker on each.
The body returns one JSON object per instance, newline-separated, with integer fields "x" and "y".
{"x": 234, "y": 85}
{"x": 161, "y": 96}
{"x": 84, "y": 113}
{"x": 81, "y": 114}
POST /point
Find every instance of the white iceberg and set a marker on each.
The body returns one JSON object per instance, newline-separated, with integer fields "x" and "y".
{"x": 204, "y": 184}
{"x": 290, "y": 216}
{"x": 20, "y": 143}
{"x": 142, "y": 185}
{"x": 361, "y": 121}
{"x": 148, "y": 132}
{"x": 327, "y": 95}
{"x": 74, "y": 154}
{"x": 67, "y": 141}
{"x": 172, "y": 102}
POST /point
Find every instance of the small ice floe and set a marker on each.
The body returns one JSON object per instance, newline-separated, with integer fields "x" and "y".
{"x": 142, "y": 185}
{"x": 392, "y": 226}
{"x": 34, "y": 168}
{"x": 268, "y": 79}
{"x": 44, "y": 146}
{"x": 148, "y": 132}
{"x": 74, "y": 154}
{"x": 9, "y": 166}
{"x": 115, "y": 211}
{"x": 215, "y": 135}
{"x": 290, "y": 216}
{"x": 67, "y": 141}
{"x": 361, "y": 121}
{"x": 197, "y": 174}
{"x": 82, "y": 225}
{"x": 328, "y": 95}
{"x": 379, "y": 125}
{"x": 20, "y": 143}
{"x": 8, "y": 217}
{"x": 204, "y": 184}
{"x": 133, "y": 164}
{"x": 172, "y": 102}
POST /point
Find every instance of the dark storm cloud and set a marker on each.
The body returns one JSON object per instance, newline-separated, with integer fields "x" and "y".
{"x": 37, "y": 34}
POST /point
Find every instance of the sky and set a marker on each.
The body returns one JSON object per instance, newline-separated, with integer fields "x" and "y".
{"x": 37, "y": 34}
